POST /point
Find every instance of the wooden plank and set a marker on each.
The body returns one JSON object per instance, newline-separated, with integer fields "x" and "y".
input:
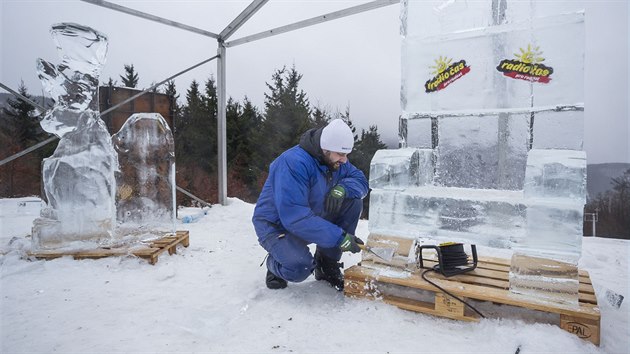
{"x": 483, "y": 293}
{"x": 448, "y": 306}
{"x": 587, "y": 329}
{"x": 483, "y": 269}
{"x": 424, "y": 307}
{"x": 145, "y": 252}
{"x": 486, "y": 277}
{"x": 185, "y": 237}
{"x": 149, "y": 251}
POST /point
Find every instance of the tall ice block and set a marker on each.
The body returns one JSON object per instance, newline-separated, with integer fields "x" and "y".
{"x": 79, "y": 177}
{"x": 554, "y": 191}
{"x": 491, "y": 130}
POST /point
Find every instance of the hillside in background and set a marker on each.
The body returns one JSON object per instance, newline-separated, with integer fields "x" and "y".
{"x": 599, "y": 176}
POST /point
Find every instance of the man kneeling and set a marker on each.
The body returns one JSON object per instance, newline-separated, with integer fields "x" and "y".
{"x": 313, "y": 194}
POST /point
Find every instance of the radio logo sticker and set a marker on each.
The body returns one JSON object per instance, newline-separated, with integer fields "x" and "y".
{"x": 445, "y": 73}
{"x": 527, "y": 66}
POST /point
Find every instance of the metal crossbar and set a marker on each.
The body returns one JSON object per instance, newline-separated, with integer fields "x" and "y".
{"x": 242, "y": 18}
{"x": 147, "y": 16}
{"x": 22, "y": 97}
{"x": 313, "y": 21}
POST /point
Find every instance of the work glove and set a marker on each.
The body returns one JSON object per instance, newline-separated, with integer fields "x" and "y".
{"x": 334, "y": 199}
{"x": 350, "y": 243}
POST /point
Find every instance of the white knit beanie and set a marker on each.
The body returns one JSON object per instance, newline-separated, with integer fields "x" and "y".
{"x": 337, "y": 137}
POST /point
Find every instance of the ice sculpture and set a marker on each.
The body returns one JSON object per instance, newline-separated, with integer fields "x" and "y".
{"x": 146, "y": 186}
{"x": 79, "y": 178}
{"x": 492, "y": 97}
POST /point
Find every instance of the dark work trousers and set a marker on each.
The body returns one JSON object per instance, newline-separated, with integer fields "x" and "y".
{"x": 289, "y": 255}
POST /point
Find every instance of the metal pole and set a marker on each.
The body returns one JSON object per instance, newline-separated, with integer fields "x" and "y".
{"x": 313, "y": 21}
{"x": 30, "y": 149}
{"x": 595, "y": 219}
{"x": 193, "y": 196}
{"x": 147, "y": 16}
{"x": 242, "y": 18}
{"x": 221, "y": 124}
{"x": 22, "y": 97}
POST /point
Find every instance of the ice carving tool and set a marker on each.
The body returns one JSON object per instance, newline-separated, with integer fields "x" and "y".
{"x": 386, "y": 254}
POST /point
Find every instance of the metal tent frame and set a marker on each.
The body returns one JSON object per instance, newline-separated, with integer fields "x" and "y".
{"x": 222, "y": 45}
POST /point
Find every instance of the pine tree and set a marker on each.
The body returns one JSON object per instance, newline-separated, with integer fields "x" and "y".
{"x": 320, "y": 118}
{"x": 23, "y": 125}
{"x": 613, "y": 208}
{"x": 196, "y": 143}
{"x": 287, "y": 116}
{"x": 621, "y": 186}
{"x": 20, "y": 129}
{"x": 346, "y": 118}
{"x": 208, "y": 124}
{"x": 130, "y": 78}
{"x": 184, "y": 147}
{"x": 171, "y": 91}
{"x": 243, "y": 122}
{"x": 234, "y": 132}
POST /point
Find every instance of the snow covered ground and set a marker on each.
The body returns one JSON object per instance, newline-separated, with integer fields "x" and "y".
{"x": 211, "y": 297}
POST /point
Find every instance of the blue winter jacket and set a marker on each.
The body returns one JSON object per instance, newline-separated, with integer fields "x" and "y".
{"x": 292, "y": 199}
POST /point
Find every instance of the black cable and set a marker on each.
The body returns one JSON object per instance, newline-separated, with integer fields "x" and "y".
{"x": 449, "y": 293}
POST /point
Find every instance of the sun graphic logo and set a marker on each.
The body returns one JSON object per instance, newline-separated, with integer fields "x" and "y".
{"x": 527, "y": 66}
{"x": 440, "y": 66}
{"x": 530, "y": 56}
{"x": 445, "y": 72}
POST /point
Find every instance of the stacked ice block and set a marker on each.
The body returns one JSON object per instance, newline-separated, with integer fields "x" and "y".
{"x": 492, "y": 124}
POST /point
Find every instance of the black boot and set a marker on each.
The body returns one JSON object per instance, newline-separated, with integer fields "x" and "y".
{"x": 275, "y": 282}
{"x": 329, "y": 270}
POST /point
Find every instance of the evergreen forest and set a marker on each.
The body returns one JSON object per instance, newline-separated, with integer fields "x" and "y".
{"x": 255, "y": 136}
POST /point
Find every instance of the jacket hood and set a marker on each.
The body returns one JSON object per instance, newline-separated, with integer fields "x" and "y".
{"x": 310, "y": 142}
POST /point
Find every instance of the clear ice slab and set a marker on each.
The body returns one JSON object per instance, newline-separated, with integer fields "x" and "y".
{"x": 79, "y": 178}
{"x": 401, "y": 168}
{"x": 555, "y": 190}
{"x": 145, "y": 200}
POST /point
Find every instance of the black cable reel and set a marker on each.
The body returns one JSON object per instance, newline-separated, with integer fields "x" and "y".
{"x": 452, "y": 259}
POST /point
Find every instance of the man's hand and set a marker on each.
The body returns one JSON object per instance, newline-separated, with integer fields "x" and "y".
{"x": 334, "y": 199}
{"x": 350, "y": 243}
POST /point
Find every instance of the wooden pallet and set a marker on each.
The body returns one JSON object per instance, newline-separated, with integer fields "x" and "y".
{"x": 486, "y": 287}
{"x": 149, "y": 251}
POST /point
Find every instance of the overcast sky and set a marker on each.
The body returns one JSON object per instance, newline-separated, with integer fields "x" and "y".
{"x": 354, "y": 61}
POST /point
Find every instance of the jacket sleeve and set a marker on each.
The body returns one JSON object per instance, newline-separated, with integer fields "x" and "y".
{"x": 354, "y": 181}
{"x": 291, "y": 196}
